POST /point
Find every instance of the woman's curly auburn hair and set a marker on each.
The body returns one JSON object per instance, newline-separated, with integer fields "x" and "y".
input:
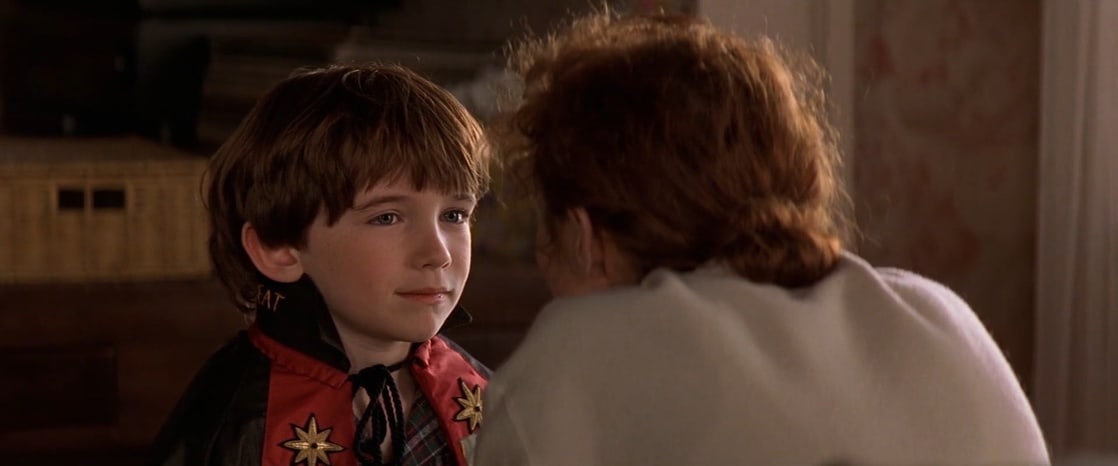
{"x": 684, "y": 144}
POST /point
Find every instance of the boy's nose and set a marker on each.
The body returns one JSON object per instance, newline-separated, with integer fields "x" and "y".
{"x": 433, "y": 251}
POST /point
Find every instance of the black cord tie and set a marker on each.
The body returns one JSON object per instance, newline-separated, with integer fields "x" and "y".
{"x": 378, "y": 383}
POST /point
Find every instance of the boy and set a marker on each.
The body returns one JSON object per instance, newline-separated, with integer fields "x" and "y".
{"x": 340, "y": 213}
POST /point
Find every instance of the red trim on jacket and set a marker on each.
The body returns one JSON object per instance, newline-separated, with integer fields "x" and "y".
{"x": 302, "y": 388}
{"x": 441, "y": 373}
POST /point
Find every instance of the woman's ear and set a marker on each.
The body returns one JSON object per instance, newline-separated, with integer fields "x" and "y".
{"x": 280, "y": 264}
{"x": 586, "y": 247}
{"x": 597, "y": 254}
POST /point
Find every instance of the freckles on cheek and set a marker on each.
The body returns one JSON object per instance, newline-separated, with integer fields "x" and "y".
{"x": 351, "y": 255}
{"x": 461, "y": 246}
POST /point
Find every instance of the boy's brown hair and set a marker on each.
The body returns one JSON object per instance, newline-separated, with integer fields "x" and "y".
{"x": 319, "y": 138}
{"x": 685, "y": 144}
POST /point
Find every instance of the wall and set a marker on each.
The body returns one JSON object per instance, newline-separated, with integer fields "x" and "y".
{"x": 946, "y": 115}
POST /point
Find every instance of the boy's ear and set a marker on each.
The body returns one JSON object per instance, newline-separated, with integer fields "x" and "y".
{"x": 280, "y": 264}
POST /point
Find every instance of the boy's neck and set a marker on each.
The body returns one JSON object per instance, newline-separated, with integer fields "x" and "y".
{"x": 364, "y": 351}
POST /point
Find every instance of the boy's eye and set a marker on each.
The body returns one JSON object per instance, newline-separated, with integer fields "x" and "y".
{"x": 457, "y": 216}
{"x": 384, "y": 219}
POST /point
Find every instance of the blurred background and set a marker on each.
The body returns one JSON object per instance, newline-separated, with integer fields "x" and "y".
{"x": 979, "y": 138}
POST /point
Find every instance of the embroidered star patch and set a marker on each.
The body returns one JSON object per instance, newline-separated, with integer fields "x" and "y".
{"x": 470, "y": 401}
{"x": 311, "y": 445}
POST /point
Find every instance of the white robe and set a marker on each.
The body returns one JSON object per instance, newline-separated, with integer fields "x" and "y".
{"x": 868, "y": 366}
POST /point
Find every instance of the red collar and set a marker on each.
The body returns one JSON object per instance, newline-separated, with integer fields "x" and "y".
{"x": 301, "y": 364}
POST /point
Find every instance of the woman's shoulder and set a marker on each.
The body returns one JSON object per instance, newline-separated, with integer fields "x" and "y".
{"x": 933, "y": 302}
{"x": 915, "y": 285}
{"x": 924, "y": 293}
{"x": 661, "y": 291}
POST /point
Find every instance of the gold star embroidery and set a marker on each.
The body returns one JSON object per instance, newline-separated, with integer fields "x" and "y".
{"x": 311, "y": 445}
{"x": 471, "y": 405}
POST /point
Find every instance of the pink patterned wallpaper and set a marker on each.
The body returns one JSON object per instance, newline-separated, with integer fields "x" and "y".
{"x": 945, "y": 173}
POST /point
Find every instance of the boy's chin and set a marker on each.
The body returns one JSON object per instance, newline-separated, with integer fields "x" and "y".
{"x": 422, "y": 338}
{"x": 419, "y": 335}
{"x": 416, "y": 331}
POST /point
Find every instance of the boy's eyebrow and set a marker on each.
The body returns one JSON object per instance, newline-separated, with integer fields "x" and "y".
{"x": 378, "y": 200}
{"x": 390, "y": 198}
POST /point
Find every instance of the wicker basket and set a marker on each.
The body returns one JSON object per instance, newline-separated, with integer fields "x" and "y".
{"x": 121, "y": 209}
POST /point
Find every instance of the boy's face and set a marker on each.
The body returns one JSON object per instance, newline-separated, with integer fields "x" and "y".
{"x": 392, "y": 268}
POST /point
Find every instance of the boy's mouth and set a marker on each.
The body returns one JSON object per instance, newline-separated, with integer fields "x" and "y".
{"x": 426, "y": 295}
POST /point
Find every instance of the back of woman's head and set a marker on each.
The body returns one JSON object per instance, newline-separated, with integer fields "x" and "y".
{"x": 684, "y": 144}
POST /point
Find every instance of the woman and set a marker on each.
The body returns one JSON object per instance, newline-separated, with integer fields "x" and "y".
{"x": 705, "y": 311}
